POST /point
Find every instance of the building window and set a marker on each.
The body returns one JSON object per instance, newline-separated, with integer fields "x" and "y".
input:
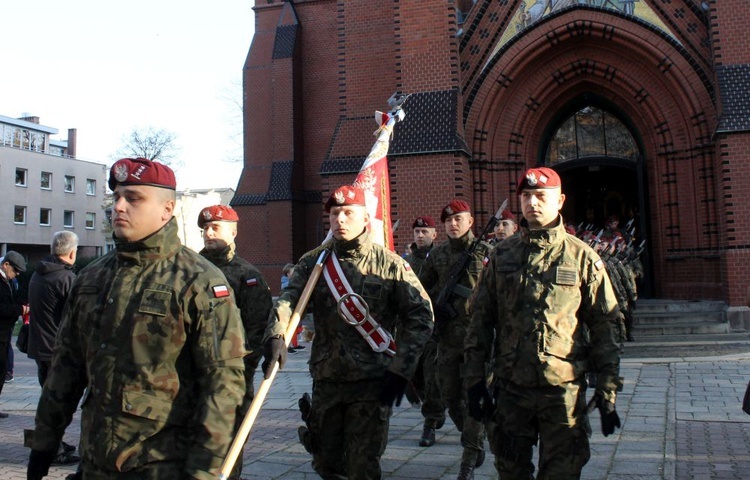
{"x": 46, "y": 181}
{"x": 21, "y": 177}
{"x": 19, "y": 215}
{"x": 45, "y": 217}
{"x": 90, "y": 186}
{"x": 70, "y": 183}
{"x": 90, "y": 220}
{"x": 68, "y": 218}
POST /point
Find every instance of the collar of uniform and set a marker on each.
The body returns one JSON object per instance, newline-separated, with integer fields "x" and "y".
{"x": 543, "y": 236}
{"x": 220, "y": 257}
{"x": 351, "y": 248}
{"x": 462, "y": 242}
{"x": 159, "y": 244}
{"x": 420, "y": 251}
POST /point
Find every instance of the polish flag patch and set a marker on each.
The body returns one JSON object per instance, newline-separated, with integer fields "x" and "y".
{"x": 485, "y": 261}
{"x": 221, "y": 291}
{"x": 251, "y": 282}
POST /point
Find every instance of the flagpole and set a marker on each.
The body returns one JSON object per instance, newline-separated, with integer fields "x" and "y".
{"x": 247, "y": 423}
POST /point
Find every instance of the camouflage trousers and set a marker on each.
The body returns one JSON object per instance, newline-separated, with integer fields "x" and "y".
{"x": 242, "y": 411}
{"x": 349, "y": 429}
{"x": 158, "y": 471}
{"x": 453, "y": 392}
{"x": 555, "y": 416}
{"x": 426, "y": 384}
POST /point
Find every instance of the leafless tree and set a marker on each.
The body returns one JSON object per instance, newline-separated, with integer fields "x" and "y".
{"x": 150, "y": 143}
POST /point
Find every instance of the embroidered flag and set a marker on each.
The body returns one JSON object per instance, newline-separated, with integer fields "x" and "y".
{"x": 251, "y": 282}
{"x": 221, "y": 291}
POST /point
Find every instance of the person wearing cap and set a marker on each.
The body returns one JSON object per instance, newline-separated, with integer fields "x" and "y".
{"x": 355, "y": 384}
{"x": 506, "y": 227}
{"x": 544, "y": 313}
{"x": 253, "y": 296}
{"x": 425, "y": 233}
{"x": 451, "y": 321}
{"x": 151, "y": 345}
{"x": 425, "y": 378}
{"x": 11, "y": 307}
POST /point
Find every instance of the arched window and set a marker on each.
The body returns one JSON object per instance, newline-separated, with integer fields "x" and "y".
{"x": 591, "y": 132}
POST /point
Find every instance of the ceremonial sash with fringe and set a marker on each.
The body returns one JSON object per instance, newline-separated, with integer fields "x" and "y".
{"x": 376, "y": 336}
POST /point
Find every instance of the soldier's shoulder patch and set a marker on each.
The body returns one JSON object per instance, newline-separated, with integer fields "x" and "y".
{"x": 407, "y": 267}
{"x": 251, "y": 282}
{"x": 220, "y": 291}
{"x": 599, "y": 264}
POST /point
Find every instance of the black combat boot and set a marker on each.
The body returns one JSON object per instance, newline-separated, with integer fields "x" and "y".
{"x": 428, "y": 437}
{"x": 466, "y": 472}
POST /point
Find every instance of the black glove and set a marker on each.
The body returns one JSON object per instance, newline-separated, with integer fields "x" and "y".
{"x": 39, "y": 462}
{"x": 393, "y": 389}
{"x": 610, "y": 419}
{"x": 273, "y": 351}
{"x": 480, "y": 400}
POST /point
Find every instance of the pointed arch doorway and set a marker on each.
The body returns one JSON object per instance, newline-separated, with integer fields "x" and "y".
{"x": 596, "y": 151}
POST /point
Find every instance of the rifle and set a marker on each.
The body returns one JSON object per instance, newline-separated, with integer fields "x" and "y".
{"x": 442, "y": 307}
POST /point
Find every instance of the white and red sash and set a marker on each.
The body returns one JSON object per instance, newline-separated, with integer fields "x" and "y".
{"x": 356, "y": 313}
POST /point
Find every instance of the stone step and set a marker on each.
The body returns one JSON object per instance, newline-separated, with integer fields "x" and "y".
{"x": 680, "y": 329}
{"x": 648, "y": 306}
{"x": 666, "y": 318}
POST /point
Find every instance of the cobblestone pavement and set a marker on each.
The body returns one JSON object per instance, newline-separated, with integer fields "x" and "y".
{"x": 681, "y": 419}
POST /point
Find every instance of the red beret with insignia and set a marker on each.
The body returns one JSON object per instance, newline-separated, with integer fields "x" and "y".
{"x": 456, "y": 206}
{"x": 507, "y": 215}
{"x": 541, "y": 177}
{"x": 217, "y": 213}
{"x": 423, "y": 222}
{"x": 141, "y": 171}
{"x": 345, "y": 195}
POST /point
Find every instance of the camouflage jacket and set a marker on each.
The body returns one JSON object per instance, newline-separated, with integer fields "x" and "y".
{"x": 434, "y": 275}
{"x": 253, "y": 297}
{"x": 396, "y": 300}
{"x": 152, "y": 332}
{"x": 547, "y": 303}
{"x": 417, "y": 256}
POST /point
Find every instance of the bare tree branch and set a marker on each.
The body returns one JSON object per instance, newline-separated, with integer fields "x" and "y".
{"x": 151, "y": 144}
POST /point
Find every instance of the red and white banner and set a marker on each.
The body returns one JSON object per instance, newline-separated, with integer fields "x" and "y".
{"x": 373, "y": 179}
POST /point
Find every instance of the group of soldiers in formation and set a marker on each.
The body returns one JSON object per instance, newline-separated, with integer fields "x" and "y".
{"x": 159, "y": 344}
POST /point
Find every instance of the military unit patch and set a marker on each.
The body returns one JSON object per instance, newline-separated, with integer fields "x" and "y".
{"x": 220, "y": 291}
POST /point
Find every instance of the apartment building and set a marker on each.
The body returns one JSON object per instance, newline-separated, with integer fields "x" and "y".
{"x": 44, "y": 189}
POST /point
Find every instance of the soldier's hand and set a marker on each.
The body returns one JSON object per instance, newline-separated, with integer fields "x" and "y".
{"x": 610, "y": 418}
{"x": 273, "y": 351}
{"x": 393, "y": 389}
{"x": 39, "y": 463}
{"x": 479, "y": 399}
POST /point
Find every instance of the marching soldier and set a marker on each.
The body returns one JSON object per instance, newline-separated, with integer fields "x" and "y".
{"x": 152, "y": 333}
{"x": 253, "y": 296}
{"x": 424, "y": 236}
{"x": 506, "y": 227}
{"x": 545, "y": 303}
{"x": 357, "y": 378}
{"x": 451, "y": 322}
{"x": 425, "y": 378}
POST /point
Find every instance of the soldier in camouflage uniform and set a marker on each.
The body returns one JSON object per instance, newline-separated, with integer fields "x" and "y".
{"x": 425, "y": 379}
{"x": 506, "y": 227}
{"x": 219, "y": 225}
{"x": 152, "y": 333}
{"x": 546, "y": 303}
{"x": 603, "y": 248}
{"x": 354, "y": 387}
{"x": 451, "y": 321}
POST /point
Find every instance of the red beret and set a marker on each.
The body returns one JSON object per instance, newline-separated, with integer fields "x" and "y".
{"x": 217, "y": 213}
{"x": 141, "y": 171}
{"x": 423, "y": 222}
{"x": 507, "y": 215}
{"x": 456, "y": 206}
{"x": 570, "y": 229}
{"x": 541, "y": 177}
{"x": 345, "y": 195}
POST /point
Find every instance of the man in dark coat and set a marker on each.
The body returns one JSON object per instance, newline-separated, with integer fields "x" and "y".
{"x": 11, "y": 265}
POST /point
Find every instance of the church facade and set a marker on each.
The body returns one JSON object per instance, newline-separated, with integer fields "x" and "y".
{"x": 642, "y": 106}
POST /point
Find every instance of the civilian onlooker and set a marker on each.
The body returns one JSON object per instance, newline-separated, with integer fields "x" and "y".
{"x": 48, "y": 290}
{"x": 11, "y": 307}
